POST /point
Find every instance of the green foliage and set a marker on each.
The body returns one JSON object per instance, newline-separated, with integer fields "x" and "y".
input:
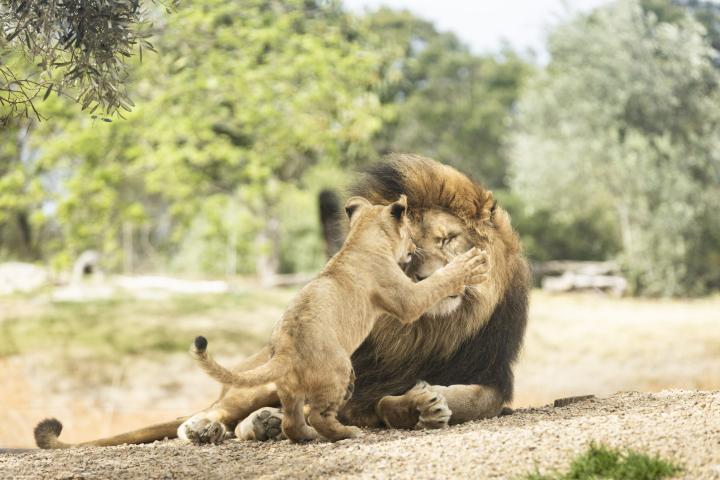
{"x": 21, "y": 193}
{"x": 624, "y": 120}
{"x": 252, "y": 107}
{"x": 705, "y": 12}
{"x": 548, "y": 235}
{"x": 708, "y": 14}
{"x": 78, "y": 49}
{"x": 602, "y": 462}
{"x": 246, "y": 99}
{"x": 449, "y": 104}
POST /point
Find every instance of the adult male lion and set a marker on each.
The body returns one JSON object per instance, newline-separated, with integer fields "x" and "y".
{"x": 448, "y": 369}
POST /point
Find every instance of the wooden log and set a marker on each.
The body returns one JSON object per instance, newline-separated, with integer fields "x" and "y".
{"x": 569, "y": 282}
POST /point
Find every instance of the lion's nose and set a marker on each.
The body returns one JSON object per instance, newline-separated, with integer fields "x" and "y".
{"x": 420, "y": 278}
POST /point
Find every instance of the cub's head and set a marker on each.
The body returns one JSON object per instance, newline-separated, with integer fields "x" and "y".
{"x": 390, "y": 221}
{"x": 448, "y": 214}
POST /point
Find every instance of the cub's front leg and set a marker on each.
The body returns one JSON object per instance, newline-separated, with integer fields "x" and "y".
{"x": 407, "y": 301}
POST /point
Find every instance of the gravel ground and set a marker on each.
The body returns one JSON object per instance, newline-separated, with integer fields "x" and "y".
{"x": 680, "y": 425}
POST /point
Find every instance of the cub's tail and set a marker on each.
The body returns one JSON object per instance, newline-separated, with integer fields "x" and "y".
{"x": 265, "y": 373}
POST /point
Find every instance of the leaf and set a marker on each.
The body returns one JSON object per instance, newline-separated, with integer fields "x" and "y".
{"x": 48, "y": 92}
{"x": 86, "y": 102}
{"x": 10, "y": 37}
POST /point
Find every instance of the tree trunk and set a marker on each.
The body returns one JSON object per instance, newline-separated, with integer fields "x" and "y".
{"x": 127, "y": 242}
{"x": 267, "y": 263}
{"x": 26, "y": 234}
{"x": 626, "y": 230}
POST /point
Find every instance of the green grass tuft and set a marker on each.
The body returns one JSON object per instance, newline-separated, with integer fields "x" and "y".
{"x": 602, "y": 462}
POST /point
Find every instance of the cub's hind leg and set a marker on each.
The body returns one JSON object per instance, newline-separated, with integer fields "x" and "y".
{"x": 323, "y": 417}
{"x": 324, "y": 405}
{"x": 293, "y": 422}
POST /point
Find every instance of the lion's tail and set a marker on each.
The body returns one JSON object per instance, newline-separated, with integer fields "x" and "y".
{"x": 265, "y": 373}
{"x": 331, "y": 219}
{"x": 48, "y": 431}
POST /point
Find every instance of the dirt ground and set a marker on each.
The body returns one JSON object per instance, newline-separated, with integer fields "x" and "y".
{"x": 680, "y": 425}
{"x": 575, "y": 345}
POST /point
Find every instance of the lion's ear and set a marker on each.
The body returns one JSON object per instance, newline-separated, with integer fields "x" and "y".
{"x": 353, "y": 207}
{"x": 488, "y": 205}
{"x": 398, "y": 209}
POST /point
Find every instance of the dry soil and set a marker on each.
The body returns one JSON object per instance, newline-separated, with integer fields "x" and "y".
{"x": 677, "y": 424}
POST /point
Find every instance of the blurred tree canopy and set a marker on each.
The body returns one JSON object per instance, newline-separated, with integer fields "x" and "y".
{"x": 246, "y": 101}
{"x": 250, "y": 107}
{"x": 449, "y": 104}
{"x": 624, "y": 123}
{"x": 705, "y": 12}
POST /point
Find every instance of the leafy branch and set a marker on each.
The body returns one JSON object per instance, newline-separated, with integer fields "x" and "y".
{"x": 77, "y": 48}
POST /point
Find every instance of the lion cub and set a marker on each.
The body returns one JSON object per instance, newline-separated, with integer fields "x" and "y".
{"x": 331, "y": 316}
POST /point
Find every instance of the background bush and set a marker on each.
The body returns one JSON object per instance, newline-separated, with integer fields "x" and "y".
{"x": 250, "y": 108}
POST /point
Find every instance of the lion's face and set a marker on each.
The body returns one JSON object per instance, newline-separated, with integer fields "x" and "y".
{"x": 439, "y": 236}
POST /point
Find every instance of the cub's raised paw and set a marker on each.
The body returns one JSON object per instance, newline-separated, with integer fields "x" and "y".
{"x": 261, "y": 425}
{"x": 201, "y": 430}
{"x": 432, "y": 406}
{"x": 478, "y": 266}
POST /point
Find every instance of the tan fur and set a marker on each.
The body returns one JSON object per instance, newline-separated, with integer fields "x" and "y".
{"x": 460, "y": 206}
{"x": 440, "y": 198}
{"x": 334, "y": 313}
{"x": 440, "y": 338}
{"x": 48, "y": 430}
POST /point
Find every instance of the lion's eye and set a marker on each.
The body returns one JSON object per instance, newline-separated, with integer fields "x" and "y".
{"x": 448, "y": 239}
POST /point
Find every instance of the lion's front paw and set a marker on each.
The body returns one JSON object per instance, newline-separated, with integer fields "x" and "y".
{"x": 433, "y": 408}
{"x": 201, "y": 430}
{"x": 261, "y": 425}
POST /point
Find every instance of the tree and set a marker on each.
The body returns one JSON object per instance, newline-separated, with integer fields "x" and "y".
{"x": 448, "y": 103}
{"x": 249, "y": 105}
{"x": 705, "y": 12}
{"x": 624, "y": 120}
{"x": 20, "y": 194}
{"x": 76, "y": 48}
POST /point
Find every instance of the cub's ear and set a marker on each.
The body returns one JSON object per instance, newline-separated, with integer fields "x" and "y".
{"x": 488, "y": 205}
{"x": 354, "y": 205}
{"x": 399, "y": 209}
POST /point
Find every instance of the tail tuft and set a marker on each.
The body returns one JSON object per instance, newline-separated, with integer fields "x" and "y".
{"x": 47, "y": 433}
{"x": 200, "y": 344}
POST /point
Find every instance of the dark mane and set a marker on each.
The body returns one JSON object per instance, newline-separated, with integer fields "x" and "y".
{"x": 427, "y": 184}
{"x": 394, "y": 358}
